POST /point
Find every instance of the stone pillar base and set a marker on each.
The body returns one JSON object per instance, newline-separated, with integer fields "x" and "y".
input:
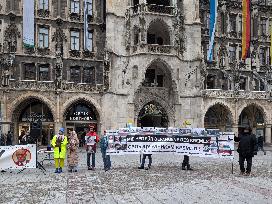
{"x": 268, "y": 138}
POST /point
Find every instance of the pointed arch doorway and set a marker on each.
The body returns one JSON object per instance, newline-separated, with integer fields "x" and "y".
{"x": 152, "y": 115}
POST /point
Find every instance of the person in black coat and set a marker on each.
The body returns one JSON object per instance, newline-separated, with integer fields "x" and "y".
{"x": 246, "y": 149}
{"x": 9, "y": 139}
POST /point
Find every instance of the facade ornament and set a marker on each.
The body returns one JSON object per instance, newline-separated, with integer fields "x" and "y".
{"x": 179, "y": 30}
{"x": 59, "y": 37}
{"x": 10, "y": 38}
{"x": 128, "y": 30}
{"x": 106, "y": 70}
{"x": 7, "y": 65}
{"x": 58, "y": 70}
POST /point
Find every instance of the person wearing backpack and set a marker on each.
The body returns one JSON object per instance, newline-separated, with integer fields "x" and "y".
{"x": 247, "y": 148}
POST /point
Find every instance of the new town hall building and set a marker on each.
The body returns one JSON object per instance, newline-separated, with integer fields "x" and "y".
{"x": 144, "y": 63}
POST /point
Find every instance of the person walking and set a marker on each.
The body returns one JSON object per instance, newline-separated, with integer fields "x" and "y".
{"x": 246, "y": 149}
{"x": 91, "y": 140}
{"x": 59, "y": 143}
{"x": 72, "y": 154}
{"x": 261, "y": 144}
{"x": 103, "y": 146}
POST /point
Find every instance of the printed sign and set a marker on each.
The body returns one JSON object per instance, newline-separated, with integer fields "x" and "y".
{"x": 186, "y": 141}
{"x": 17, "y": 157}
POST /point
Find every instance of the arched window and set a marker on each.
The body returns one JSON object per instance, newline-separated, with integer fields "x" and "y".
{"x": 158, "y": 33}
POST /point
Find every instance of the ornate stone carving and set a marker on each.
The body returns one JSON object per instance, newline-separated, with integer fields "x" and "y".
{"x": 10, "y": 38}
{"x": 43, "y": 51}
{"x": 75, "y": 53}
{"x": 32, "y": 85}
{"x": 233, "y": 94}
{"x": 75, "y": 17}
{"x": 88, "y": 54}
{"x": 58, "y": 70}
{"x": 106, "y": 70}
{"x": 78, "y": 87}
{"x": 43, "y": 13}
{"x": 145, "y": 95}
{"x": 128, "y": 30}
{"x": 179, "y": 30}
{"x": 29, "y": 50}
{"x": 142, "y": 28}
{"x": 59, "y": 37}
{"x": 6, "y": 63}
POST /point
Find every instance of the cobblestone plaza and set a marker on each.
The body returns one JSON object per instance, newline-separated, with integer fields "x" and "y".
{"x": 211, "y": 181}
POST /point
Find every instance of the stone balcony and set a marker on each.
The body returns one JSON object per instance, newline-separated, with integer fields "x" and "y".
{"x": 218, "y": 93}
{"x": 153, "y": 8}
{"x": 154, "y": 49}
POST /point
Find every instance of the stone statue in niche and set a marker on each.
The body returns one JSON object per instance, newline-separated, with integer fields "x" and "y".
{"x": 58, "y": 69}
{"x": 5, "y": 77}
{"x": 196, "y": 16}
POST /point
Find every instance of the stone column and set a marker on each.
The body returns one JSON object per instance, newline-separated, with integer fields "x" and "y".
{"x": 268, "y": 138}
{"x": 235, "y": 129}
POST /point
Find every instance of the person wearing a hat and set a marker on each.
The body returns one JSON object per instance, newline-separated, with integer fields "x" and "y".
{"x": 59, "y": 143}
{"x": 91, "y": 140}
{"x": 246, "y": 149}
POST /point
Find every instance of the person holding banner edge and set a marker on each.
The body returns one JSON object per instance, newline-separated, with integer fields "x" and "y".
{"x": 103, "y": 146}
{"x": 185, "y": 162}
{"x": 59, "y": 143}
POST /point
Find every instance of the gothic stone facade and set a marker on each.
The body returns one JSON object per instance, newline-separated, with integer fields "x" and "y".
{"x": 149, "y": 61}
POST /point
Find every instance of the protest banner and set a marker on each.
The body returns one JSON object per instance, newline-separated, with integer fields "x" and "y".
{"x": 186, "y": 141}
{"x": 17, "y": 157}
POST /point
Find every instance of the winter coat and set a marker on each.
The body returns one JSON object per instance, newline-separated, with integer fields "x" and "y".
{"x": 247, "y": 144}
{"x": 72, "y": 156}
{"x": 59, "y": 147}
{"x": 104, "y": 144}
{"x": 92, "y": 148}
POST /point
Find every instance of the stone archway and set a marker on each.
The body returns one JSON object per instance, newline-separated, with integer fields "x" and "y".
{"x": 157, "y": 86}
{"x": 31, "y": 110}
{"x": 152, "y": 115}
{"x": 253, "y": 116}
{"x": 78, "y": 115}
{"x": 158, "y": 33}
{"x": 218, "y": 116}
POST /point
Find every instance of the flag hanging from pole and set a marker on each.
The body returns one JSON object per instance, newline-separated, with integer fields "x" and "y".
{"x": 213, "y": 20}
{"x": 246, "y": 29}
{"x": 28, "y": 23}
{"x": 86, "y": 26}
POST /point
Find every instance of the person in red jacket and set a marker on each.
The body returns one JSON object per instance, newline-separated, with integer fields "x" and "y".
{"x": 91, "y": 140}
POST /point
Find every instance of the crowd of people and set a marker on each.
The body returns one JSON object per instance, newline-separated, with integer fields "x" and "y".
{"x": 248, "y": 146}
{"x": 62, "y": 144}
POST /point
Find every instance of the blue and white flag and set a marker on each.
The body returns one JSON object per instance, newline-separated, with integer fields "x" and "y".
{"x": 213, "y": 20}
{"x": 86, "y": 26}
{"x": 28, "y": 23}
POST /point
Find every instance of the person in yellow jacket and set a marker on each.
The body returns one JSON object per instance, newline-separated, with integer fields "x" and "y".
{"x": 59, "y": 143}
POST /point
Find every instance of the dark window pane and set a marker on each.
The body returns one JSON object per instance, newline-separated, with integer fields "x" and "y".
{"x": 75, "y": 75}
{"x": 29, "y": 71}
{"x": 89, "y": 75}
{"x": 44, "y": 73}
